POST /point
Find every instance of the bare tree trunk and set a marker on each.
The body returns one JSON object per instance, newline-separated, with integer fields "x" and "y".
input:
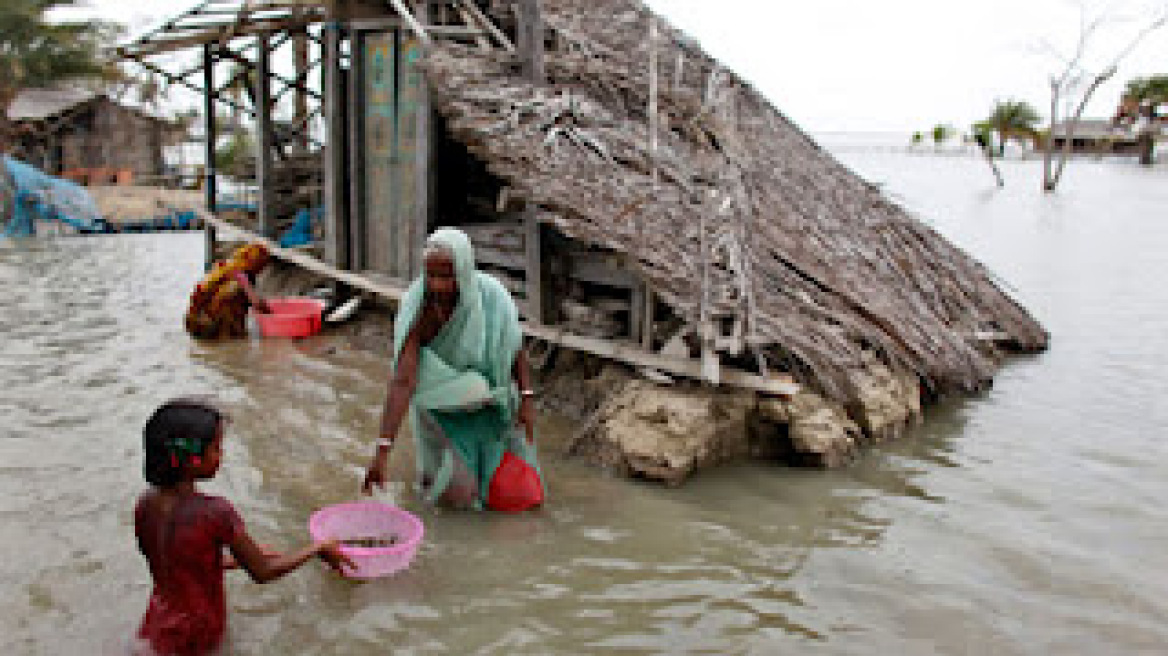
{"x": 1147, "y": 148}
{"x": 1048, "y": 147}
{"x": 1147, "y": 137}
{"x": 1072, "y": 123}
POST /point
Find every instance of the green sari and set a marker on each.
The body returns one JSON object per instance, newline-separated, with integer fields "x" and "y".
{"x": 462, "y": 413}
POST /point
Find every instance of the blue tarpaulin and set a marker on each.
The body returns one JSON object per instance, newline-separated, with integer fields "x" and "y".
{"x": 300, "y": 233}
{"x": 41, "y": 198}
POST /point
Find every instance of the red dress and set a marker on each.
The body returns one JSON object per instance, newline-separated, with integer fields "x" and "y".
{"x": 188, "y": 611}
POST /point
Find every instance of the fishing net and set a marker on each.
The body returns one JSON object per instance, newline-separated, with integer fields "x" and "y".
{"x": 32, "y": 197}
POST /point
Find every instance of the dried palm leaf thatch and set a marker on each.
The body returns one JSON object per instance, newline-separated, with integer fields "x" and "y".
{"x": 815, "y": 262}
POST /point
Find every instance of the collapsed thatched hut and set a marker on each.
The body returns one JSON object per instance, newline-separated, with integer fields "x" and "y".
{"x": 814, "y": 263}
{"x": 603, "y": 162}
{"x": 738, "y": 221}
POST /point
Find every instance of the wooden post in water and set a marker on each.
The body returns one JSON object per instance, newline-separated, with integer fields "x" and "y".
{"x": 530, "y": 50}
{"x": 646, "y": 297}
{"x": 264, "y": 137}
{"x": 424, "y": 165}
{"x": 209, "y": 147}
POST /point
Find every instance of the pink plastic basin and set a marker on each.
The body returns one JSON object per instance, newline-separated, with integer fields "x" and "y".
{"x": 363, "y": 519}
{"x": 290, "y": 317}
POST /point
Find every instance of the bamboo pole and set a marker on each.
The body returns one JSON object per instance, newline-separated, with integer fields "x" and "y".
{"x": 413, "y": 23}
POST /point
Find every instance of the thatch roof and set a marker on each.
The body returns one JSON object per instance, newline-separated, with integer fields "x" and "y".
{"x": 40, "y": 103}
{"x": 35, "y": 104}
{"x": 817, "y": 262}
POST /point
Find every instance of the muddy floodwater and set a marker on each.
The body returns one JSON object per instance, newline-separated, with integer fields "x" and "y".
{"x": 1027, "y": 520}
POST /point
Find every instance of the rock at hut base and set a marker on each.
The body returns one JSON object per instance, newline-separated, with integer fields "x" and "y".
{"x": 804, "y": 429}
{"x": 666, "y": 434}
{"x": 888, "y": 401}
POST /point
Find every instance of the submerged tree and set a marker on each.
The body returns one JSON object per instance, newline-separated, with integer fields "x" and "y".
{"x": 35, "y": 52}
{"x": 1065, "y": 84}
{"x": 1141, "y": 98}
{"x": 983, "y": 135}
{"x": 1010, "y": 119}
{"x": 942, "y": 133}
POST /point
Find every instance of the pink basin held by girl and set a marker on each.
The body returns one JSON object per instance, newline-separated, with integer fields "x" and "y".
{"x": 359, "y": 522}
{"x": 290, "y": 317}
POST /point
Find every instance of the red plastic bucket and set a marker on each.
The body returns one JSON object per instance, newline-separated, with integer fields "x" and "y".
{"x": 290, "y": 317}
{"x": 515, "y": 487}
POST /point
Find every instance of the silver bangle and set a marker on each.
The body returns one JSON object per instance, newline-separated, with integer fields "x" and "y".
{"x": 527, "y": 392}
{"x": 384, "y": 442}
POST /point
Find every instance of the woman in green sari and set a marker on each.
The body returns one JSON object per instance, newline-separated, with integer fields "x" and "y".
{"x": 460, "y": 373}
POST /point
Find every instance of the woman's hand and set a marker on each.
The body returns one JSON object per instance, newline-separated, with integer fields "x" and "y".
{"x": 253, "y": 297}
{"x": 375, "y": 474}
{"x": 330, "y": 553}
{"x": 526, "y": 417}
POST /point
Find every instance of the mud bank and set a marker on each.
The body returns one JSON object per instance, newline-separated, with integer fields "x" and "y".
{"x": 667, "y": 432}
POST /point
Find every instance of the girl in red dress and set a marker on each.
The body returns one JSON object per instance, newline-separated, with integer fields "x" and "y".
{"x": 183, "y": 533}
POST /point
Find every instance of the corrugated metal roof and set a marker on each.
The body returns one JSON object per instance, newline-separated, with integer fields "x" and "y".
{"x": 35, "y": 104}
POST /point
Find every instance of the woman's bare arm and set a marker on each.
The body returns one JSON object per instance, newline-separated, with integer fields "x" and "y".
{"x": 397, "y": 398}
{"x": 252, "y": 296}
{"x": 522, "y": 374}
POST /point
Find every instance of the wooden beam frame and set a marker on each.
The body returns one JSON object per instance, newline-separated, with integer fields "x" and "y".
{"x": 529, "y": 41}
{"x": 487, "y": 24}
{"x": 412, "y": 22}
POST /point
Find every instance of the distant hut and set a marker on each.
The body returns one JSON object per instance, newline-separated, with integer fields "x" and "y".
{"x": 643, "y": 202}
{"x": 1096, "y": 136}
{"x": 85, "y": 135}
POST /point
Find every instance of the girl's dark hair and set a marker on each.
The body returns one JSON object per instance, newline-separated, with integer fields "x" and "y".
{"x": 170, "y": 432}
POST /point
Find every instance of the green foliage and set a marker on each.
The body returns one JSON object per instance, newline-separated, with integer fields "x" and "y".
{"x": 1011, "y": 119}
{"x": 35, "y": 52}
{"x": 234, "y": 157}
{"x": 942, "y": 133}
{"x": 1150, "y": 90}
{"x": 917, "y": 137}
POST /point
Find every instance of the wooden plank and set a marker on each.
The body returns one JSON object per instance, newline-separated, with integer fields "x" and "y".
{"x": 648, "y": 318}
{"x": 424, "y": 160}
{"x": 629, "y": 353}
{"x": 487, "y": 24}
{"x": 378, "y": 171}
{"x": 533, "y": 255}
{"x": 358, "y": 212}
{"x": 636, "y": 311}
{"x": 599, "y": 269}
{"x": 410, "y": 185}
{"x": 529, "y": 40}
{"x": 418, "y": 29}
{"x": 335, "y": 187}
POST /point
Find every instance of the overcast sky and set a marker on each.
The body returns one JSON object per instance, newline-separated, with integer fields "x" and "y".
{"x": 896, "y": 65}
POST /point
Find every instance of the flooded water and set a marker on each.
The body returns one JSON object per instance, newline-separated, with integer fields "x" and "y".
{"x": 1028, "y": 520}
